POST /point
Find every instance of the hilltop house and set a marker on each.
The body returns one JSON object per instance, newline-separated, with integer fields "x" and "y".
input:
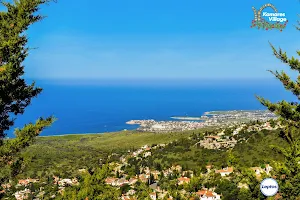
{"x": 225, "y": 171}
{"x": 207, "y": 195}
{"x": 110, "y": 181}
{"x": 258, "y": 170}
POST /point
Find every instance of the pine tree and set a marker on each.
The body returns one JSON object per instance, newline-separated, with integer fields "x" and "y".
{"x": 288, "y": 173}
{"x": 15, "y": 93}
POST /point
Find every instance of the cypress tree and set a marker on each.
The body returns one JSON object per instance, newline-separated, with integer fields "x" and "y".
{"x": 15, "y": 93}
{"x": 288, "y": 173}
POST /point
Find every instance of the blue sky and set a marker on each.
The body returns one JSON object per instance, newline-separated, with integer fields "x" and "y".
{"x": 143, "y": 39}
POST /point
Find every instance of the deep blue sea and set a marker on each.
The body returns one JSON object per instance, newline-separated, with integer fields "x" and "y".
{"x": 106, "y": 107}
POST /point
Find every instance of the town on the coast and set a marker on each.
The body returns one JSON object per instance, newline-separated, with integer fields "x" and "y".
{"x": 132, "y": 170}
{"x": 209, "y": 119}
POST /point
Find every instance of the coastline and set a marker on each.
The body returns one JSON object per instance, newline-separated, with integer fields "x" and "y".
{"x": 180, "y": 123}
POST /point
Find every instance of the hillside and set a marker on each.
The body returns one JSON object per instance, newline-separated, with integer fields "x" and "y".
{"x": 106, "y": 165}
{"x": 66, "y": 154}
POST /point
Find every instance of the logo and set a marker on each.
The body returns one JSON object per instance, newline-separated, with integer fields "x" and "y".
{"x": 269, "y": 187}
{"x": 268, "y": 20}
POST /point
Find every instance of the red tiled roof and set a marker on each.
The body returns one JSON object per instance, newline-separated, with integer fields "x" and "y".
{"x": 213, "y": 136}
{"x": 110, "y": 180}
{"x": 183, "y": 179}
{"x": 201, "y": 192}
{"x": 225, "y": 170}
{"x": 209, "y": 194}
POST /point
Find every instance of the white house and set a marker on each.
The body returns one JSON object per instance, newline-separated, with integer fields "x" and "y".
{"x": 20, "y": 195}
{"x": 225, "y": 171}
{"x": 208, "y": 195}
{"x": 147, "y": 154}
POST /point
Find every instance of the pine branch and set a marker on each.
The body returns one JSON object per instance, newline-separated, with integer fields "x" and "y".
{"x": 287, "y": 111}
{"x": 293, "y": 62}
{"x": 298, "y": 22}
{"x": 24, "y": 137}
{"x": 293, "y": 86}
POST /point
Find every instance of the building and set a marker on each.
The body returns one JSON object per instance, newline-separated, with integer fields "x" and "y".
{"x": 25, "y": 182}
{"x": 183, "y": 180}
{"x": 268, "y": 169}
{"x": 65, "y": 182}
{"x": 110, "y": 180}
{"x": 208, "y": 195}
{"x": 132, "y": 181}
{"x": 122, "y": 181}
{"x": 6, "y": 186}
{"x": 212, "y": 138}
{"x": 147, "y": 154}
{"x": 186, "y": 173}
{"x": 225, "y": 171}
{"x": 130, "y": 192}
{"x": 153, "y": 186}
{"x": 208, "y": 167}
{"x": 258, "y": 170}
{"x": 143, "y": 178}
{"x": 21, "y": 195}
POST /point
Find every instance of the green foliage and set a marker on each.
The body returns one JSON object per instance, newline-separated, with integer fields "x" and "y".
{"x": 289, "y": 113}
{"x": 228, "y": 189}
{"x": 92, "y": 187}
{"x": 15, "y": 93}
{"x": 64, "y": 155}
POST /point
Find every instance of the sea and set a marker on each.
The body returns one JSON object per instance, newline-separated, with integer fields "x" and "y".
{"x": 83, "y": 107}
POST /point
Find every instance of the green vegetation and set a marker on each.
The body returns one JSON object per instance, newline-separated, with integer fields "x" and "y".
{"x": 15, "y": 93}
{"x": 289, "y": 113}
{"x": 99, "y": 154}
{"x": 64, "y": 155}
